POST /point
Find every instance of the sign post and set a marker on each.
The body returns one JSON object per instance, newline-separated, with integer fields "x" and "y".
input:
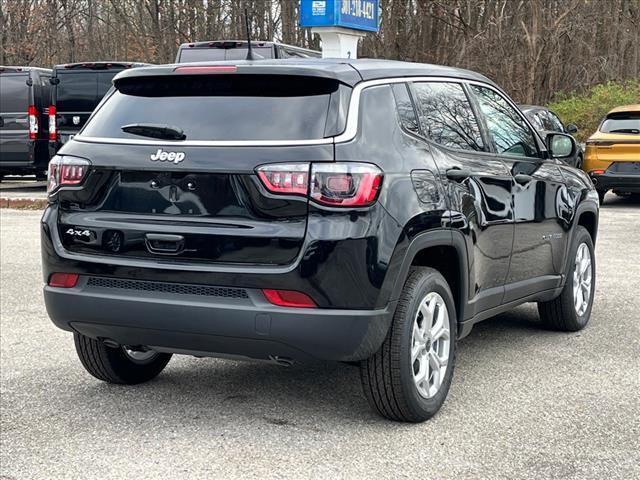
{"x": 340, "y": 23}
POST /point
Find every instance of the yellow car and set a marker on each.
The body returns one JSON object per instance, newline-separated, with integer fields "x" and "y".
{"x": 612, "y": 157}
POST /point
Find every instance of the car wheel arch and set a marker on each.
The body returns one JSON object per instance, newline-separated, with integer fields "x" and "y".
{"x": 444, "y": 250}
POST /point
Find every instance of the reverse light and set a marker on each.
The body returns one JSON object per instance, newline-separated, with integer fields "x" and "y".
{"x": 53, "y": 126}
{"x": 285, "y": 178}
{"x": 66, "y": 171}
{"x": 63, "y": 280}
{"x": 33, "y": 122}
{"x": 288, "y": 298}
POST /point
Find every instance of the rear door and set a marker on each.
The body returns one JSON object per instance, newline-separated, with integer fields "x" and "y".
{"x": 15, "y": 98}
{"x": 77, "y": 94}
{"x": 480, "y": 195}
{"x": 199, "y": 200}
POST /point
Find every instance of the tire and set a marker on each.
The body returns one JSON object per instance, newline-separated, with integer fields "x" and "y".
{"x": 562, "y": 313}
{"x": 115, "y": 365}
{"x": 388, "y": 375}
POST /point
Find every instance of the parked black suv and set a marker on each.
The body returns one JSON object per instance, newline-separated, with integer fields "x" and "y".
{"x": 77, "y": 90}
{"x": 24, "y": 97}
{"x": 359, "y": 211}
{"x": 213, "y": 51}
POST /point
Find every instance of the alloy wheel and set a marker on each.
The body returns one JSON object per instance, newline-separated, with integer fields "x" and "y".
{"x": 582, "y": 279}
{"x": 430, "y": 344}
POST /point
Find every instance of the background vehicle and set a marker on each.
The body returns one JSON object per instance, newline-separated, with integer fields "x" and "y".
{"x": 237, "y": 50}
{"x": 286, "y": 210}
{"x": 544, "y": 120}
{"x": 613, "y": 152}
{"x": 24, "y": 97}
{"x": 76, "y": 90}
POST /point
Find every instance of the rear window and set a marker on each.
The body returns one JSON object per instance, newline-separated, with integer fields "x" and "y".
{"x": 625, "y": 122}
{"x": 219, "y": 107}
{"x": 213, "y": 54}
{"x": 14, "y": 93}
{"x": 82, "y": 91}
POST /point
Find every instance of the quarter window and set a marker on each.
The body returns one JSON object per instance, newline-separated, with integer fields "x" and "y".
{"x": 509, "y": 131}
{"x": 447, "y": 117}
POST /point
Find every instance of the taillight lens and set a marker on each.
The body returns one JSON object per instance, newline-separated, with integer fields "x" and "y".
{"x": 33, "y": 122}
{"x": 53, "y": 126}
{"x": 63, "y": 280}
{"x": 285, "y": 178}
{"x": 331, "y": 184}
{"x": 345, "y": 184}
{"x": 289, "y": 298}
{"x": 66, "y": 170}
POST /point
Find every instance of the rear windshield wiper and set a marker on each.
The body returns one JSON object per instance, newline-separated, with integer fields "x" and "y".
{"x": 152, "y": 130}
{"x": 625, "y": 130}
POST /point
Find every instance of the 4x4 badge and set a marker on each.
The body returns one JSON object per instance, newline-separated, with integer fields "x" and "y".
{"x": 162, "y": 156}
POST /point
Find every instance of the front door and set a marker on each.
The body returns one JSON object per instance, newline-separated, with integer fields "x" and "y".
{"x": 537, "y": 196}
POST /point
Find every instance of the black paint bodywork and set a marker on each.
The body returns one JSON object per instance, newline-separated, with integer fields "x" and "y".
{"x": 502, "y": 242}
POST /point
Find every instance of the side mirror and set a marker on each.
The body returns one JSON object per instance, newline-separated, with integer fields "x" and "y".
{"x": 560, "y": 145}
{"x": 571, "y": 128}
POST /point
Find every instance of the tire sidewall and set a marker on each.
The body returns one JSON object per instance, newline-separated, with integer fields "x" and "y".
{"x": 426, "y": 407}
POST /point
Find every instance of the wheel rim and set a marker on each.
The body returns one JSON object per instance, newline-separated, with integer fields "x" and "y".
{"x": 140, "y": 356}
{"x": 582, "y": 279}
{"x": 430, "y": 345}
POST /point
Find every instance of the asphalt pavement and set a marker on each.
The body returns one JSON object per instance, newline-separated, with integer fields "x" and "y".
{"x": 525, "y": 403}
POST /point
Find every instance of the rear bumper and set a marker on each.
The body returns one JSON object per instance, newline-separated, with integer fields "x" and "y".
{"x": 243, "y": 325}
{"x": 616, "y": 181}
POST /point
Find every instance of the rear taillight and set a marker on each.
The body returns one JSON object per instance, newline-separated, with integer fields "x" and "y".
{"x": 63, "y": 280}
{"x": 66, "y": 171}
{"x": 33, "y": 122}
{"x": 286, "y": 178}
{"x": 53, "y": 126}
{"x": 345, "y": 184}
{"x": 597, "y": 172}
{"x": 331, "y": 184}
{"x": 289, "y": 298}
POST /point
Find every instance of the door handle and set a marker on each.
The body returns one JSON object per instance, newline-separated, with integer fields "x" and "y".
{"x": 523, "y": 178}
{"x": 457, "y": 174}
{"x": 164, "y": 244}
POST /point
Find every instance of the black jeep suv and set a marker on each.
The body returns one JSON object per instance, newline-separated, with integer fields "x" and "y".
{"x": 283, "y": 210}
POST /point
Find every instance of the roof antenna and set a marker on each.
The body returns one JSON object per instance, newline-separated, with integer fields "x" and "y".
{"x": 246, "y": 23}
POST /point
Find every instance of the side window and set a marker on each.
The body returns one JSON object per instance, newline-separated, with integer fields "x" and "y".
{"x": 446, "y": 115}
{"x": 404, "y": 107}
{"x": 510, "y": 133}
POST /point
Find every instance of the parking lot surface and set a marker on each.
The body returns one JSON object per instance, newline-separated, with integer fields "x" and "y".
{"x": 525, "y": 403}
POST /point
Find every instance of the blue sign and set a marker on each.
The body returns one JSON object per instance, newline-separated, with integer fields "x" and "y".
{"x": 354, "y": 14}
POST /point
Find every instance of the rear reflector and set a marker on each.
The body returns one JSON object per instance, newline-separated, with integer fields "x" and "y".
{"x": 205, "y": 70}
{"x": 33, "y": 122}
{"x": 63, "y": 280}
{"x": 289, "y": 298}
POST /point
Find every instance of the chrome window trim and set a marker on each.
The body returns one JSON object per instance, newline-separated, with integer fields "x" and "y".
{"x": 350, "y": 131}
